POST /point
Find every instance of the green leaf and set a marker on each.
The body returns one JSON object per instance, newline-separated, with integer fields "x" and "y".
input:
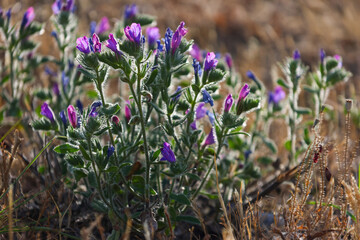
{"x": 288, "y": 145}
{"x": 330, "y": 64}
{"x": 270, "y": 144}
{"x": 193, "y": 176}
{"x": 301, "y": 110}
{"x": 265, "y": 160}
{"x": 216, "y": 75}
{"x": 84, "y": 153}
{"x": 74, "y": 160}
{"x": 180, "y": 198}
{"x": 155, "y": 155}
{"x": 66, "y": 148}
{"x": 188, "y": 219}
{"x": 138, "y": 183}
{"x": 42, "y": 124}
{"x": 79, "y": 174}
{"x": 99, "y": 206}
{"x": 110, "y": 109}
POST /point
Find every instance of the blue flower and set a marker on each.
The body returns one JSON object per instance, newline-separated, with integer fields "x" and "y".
{"x": 207, "y": 98}
{"x": 94, "y": 106}
{"x": 28, "y": 17}
{"x": 167, "y": 40}
{"x": 322, "y": 55}
{"x": 65, "y": 81}
{"x": 63, "y": 118}
{"x": 110, "y": 151}
{"x": 168, "y": 154}
{"x": 210, "y": 139}
{"x": 211, "y": 117}
{"x": 130, "y": 11}
{"x": 197, "y": 67}
{"x": 176, "y": 97}
{"x": 251, "y": 75}
{"x": 79, "y": 106}
{"x": 8, "y": 14}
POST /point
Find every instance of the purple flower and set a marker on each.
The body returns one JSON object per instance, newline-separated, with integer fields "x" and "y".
{"x": 72, "y": 116}
{"x": 112, "y": 44}
{"x": 211, "y": 117}
{"x": 55, "y": 89}
{"x": 79, "y": 106}
{"x": 56, "y": 6}
{"x": 176, "y": 97}
{"x": 160, "y": 47}
{"x": 251, "y": 75}
{"x": 167, "y": 40}
{"x": 133, "y": 32}
{"x": 83, "y": 45}
{"x": 46, "y": 111}
{"x": 63, "y": 118}
{"x": 94, "y": 106}
{"x": 130, "y": 11}
{"x": 228, "y": 103}
{"x": 167, "y": 153}
{"x": 49, "y": 72}
{"x": 200, "y": 111}
{"x": 153, "y": 35}
{"x": 322, "y": 55}
{"x": 103, "y": 26}
{"x": 210, "y": 61}
{"x": 96, "y": 43}
{"x": 1, "y": 12}
{"x": 176, "y": 38}
{"x": 127, "y": 111}
{"x": 228, "y": 60}
{"x": 207, "y": 98}
{"x": 110, "y": 151}
{"x": 115, "y": 119}
{"x": 296, "y": 55}
{"x": 195, "y": 52}
{"x": 247, "y": 153}
{"x": 69, "y": 6}
{"x": 276, "y": 96}
{"x": 339, "y": 59}
{"x": 28, "y": 17}
{"x": 210, "y": 139}
{"x": 245, "y": 90}
{"x": 54, "y": 34}
{"x": 92, "y": 27}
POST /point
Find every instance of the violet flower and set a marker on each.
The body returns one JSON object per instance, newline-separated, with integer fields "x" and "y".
{"x": 103, "y": 26}
{"x": 94, "y": 106}
{"x": 228, "y": 60}
{"x": 210, "y": 62}
{"x": 153, "y": 35}
{"x": 115, "y": 119}
{"x": 176, "y": 38}
{"x": 8, "y": 14}
{"x": 200, "y": 112}
{"x": 167, "y": 153}
{"x": 210, "y": 139}
{"x": 47, "y": 112}
{"x": 228, "y": 103}
{"x": 56, "y": 6}
{"x": 28, "y": 17}
{"x": 296, "y": 55}
{"x": 55, "y": 89}
{"x": 245, "y": 90}
{"x": 69, "y": 6}
{"x": 276, "y": 96}
{"x": 96, "y": 43}
{"x": 207, "y": 97}
{"x": 195, "y": 52}
{"x": 112, "y": 44}
{"x": 83, "y": 45}
{"x": 130, "y": 11}
{"x": 339, "y": 59}
{"x": 63, "y": 118}
{"x": 72, "y": 116}
{"x": 127, "y": 111}
{"x": 133, "y": 33}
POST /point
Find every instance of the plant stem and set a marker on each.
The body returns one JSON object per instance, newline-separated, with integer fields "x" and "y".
{"x": 99, "y": 87}
{"x": 223, "y": 132}
{"x": 12, "y": 75}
